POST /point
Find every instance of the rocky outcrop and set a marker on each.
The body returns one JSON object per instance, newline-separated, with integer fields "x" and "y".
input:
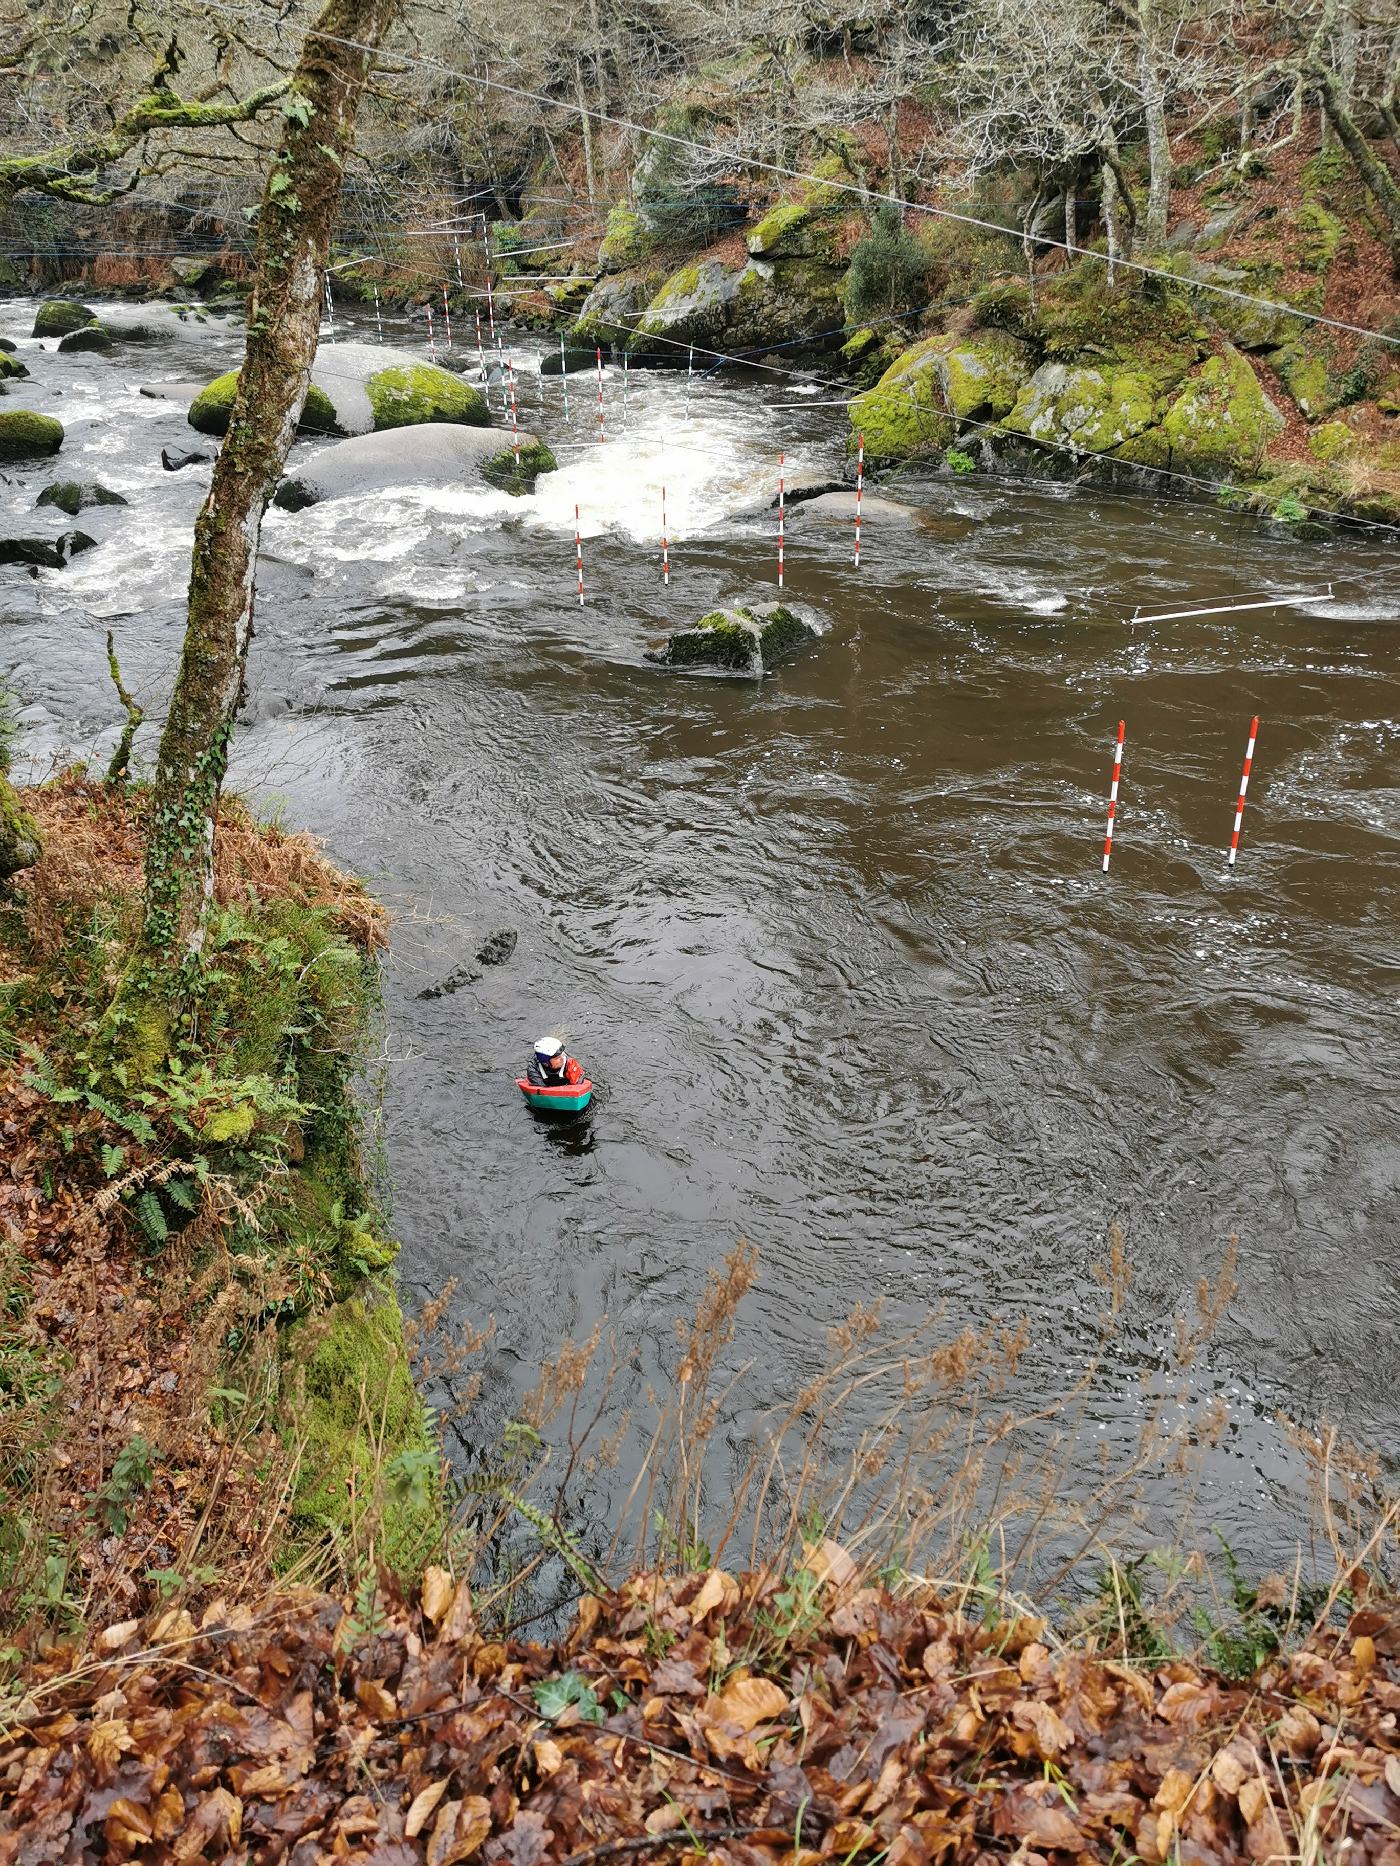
{"x": 11, "y": 369}
{"x": 360, "y": 388}
{"x": 613, "y": 309}
{"x": 435, "y": 454}
{"x": 747, "y": 639}
{"x": 794, "y": 303}
{"x": 27, "y": 436}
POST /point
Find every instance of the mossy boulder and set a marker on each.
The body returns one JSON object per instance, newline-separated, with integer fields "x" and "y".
{"x": 360, "y": 388}
{"x": 984, "y": 374}
{"x": 1319, "y": 234}
{"x": 507, "y": 474}
{"x": 210, "y": 410}
{"x": 410, "y": 394}
{"x": 11, "y": 369}
{"x": 88, "y": 337}
{"x": 1332, "y": 441}
{"x": 796, "y": 230}
{"x": 27, "y": 436}
{"x": 747, "y": 639}
{"x": 1091, "y": 411}
{"x": 20, "y": 844}
{"x": 905, "y": 416}
{"x": 764, "y": 304}
{"x": 73, "y": 496}
{"x": 1247, "y": 320}
{"x": 1303, "y": 371}
{"x": 1222, "y": 422}
{"x": 611, "y": 310}
{"x": 57, "y": 316}
{"x": 626, "y": 239}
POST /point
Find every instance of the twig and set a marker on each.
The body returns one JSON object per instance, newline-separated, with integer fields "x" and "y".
{"x": 119, "y": 768}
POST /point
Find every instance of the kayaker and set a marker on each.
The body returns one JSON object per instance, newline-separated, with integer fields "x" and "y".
{"x": 551, "y": 1066}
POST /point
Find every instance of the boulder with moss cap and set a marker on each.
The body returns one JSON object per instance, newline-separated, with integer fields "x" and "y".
{"x": 360, "y": 388}
{"x": 57, "y": 316}
{"x": 439, "y": 453}
{"x": 27, "y": 436}
{"x": 747, "y": 639}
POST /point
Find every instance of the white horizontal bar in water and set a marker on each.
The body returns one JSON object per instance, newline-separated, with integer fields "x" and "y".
{"x": 1284, "y": 600}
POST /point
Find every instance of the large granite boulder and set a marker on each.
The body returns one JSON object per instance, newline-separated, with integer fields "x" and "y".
{"x": 74, "y": 495}
{"x": 436, "y": 454}
{"x": 57, "y": 316}
{"x": 27, "y": 436}
{"x": 765, "y": 304}
{"x": 747, "y": 639}
{"x": 360, "y": 388}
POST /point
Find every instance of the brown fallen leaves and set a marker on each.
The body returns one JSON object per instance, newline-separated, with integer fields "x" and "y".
{"x": 898, "y": 1731}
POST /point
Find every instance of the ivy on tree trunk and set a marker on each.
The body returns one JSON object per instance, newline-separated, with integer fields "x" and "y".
{"x": 284, "y": 313}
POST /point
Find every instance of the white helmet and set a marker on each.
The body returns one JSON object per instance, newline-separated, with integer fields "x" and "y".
{"x": 549, "y": 1047}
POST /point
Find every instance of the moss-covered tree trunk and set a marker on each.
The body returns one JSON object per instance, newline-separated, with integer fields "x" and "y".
{"x": 284, "y": 313}
{"x": 1380, "y": 183}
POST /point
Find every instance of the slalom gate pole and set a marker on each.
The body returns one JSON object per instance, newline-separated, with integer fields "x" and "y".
{"x": 447, "y": 316}
{"x": 665, "y": 545}
{"x": 514, "y": 419}
{"x": 782, "y": 516}
{"x": 578, "y": 554}
{"x": 598, "y": 351}
{"x": 378, "y": 320}
{"x": 1244, "y": 786}
{"x": 1113, "y": 795}
{"x": 457, "y": 262}
{"x": 490, "y": 299}
{"x": 624, "y": 388}
{"x": 432, "y": 346}
{"x": 860, "y": 484}
{"x": 330, "y": 310}
{"x": 689, "y": 378}
{"x": 481, "y": 358}
{"x": 564, "y": 374}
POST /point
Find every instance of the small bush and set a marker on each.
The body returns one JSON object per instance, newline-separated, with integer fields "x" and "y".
{"x": 889, "y": 270}
{"x": 959, "y": 462}
{"x": 1004, "y": 305}
{"x": 1290, "y": 509}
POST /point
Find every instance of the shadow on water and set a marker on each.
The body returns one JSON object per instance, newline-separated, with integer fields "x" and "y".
{"x": 838, "y": 940}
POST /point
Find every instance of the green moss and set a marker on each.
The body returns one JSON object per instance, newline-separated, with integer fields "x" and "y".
{"x": 1331, "y": 441}
{"x": 211, "y": 408}
{"x": 11, "y": 369}
{"x": 58, "y": 316}
{"x": 20, "y": 846}
{"x": 905, "y": 416}
{"x": 418, "y": 392}
{"x": 739, "y": 640}
{"x": 985, "y": 373}
{"x": 1222, "y": 421}
{"x": 25, "y": 435}
{"x": 1303, "y": 371}
{"x": 1093, "y": 410}
{"x": 355, "y": 1413}
{"x": 786, "y": 228}
{"x": 682, "y": 284}
{"x": 1320, "y": 235}
{"x": 502, "y": 471}
{"x": 317, "y": 413}
{"x": 626, "y": 239}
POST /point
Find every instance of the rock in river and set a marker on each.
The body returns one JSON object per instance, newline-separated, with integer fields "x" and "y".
{"x": 173, "y": 462}
{"x": 26, "y": 436}
{"x": 57, "y": 316}
{"x": 744, "y": 640}
{"x": 360, "y": 388}
{"x": 45, "y": 553}
{"x": 432, "y": 455}
{"x": 88, "y": 337}
{"x": 72, "y": 495}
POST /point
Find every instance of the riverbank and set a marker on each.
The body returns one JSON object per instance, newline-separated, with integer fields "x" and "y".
{"x": 204, "y": 1367}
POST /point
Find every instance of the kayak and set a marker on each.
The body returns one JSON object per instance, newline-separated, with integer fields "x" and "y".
{"x": 568, "y": 1098}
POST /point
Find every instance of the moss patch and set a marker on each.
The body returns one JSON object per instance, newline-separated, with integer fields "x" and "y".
{"x": 26, "y": 436}
{"x": 1091, "y": 410}
{"x": 904, "y": 416}
{"x": 741, "y": 640}
{"x": 11, "y": 369}
{"x": 626, "y": 239}
{"x": 1320, "y": 235}
{"x": 1331, "y": 441}
{"x": 406, "y": 397}
{"x": 1222, "y": 421}
{"x": 503, "y": 472}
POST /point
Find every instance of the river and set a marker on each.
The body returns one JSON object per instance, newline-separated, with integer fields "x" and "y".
{"x": 836, "y": 943}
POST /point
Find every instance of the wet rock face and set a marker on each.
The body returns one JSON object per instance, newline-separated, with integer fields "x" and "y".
{"x": 428, "y": 455}
{"x": 747, "y": 639}
{"x": 57, "y": 316}
{"x": 174, "y": 461}
{"x": 45, "y": 553}
{"x": 89, "y": 337}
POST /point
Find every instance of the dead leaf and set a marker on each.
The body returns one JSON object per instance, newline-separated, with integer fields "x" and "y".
{"x": 548, "y": 1756}
{"x": 437, "y": 1593}
{"x": 375, "y": 1701}
{"x": 831, "y": 1564}
{"x": 718, "y": 1589}
{"x": 1049, "y": 1731}
{"x": 461, "y": 1828}
{"x": 114, "y": 1636}
{"x": 108, "y": 1742}
{"x": 1299, "y": 1731}
{"x": 1253, "y": 1798}
{"x": 1363, "y": 1653}
{"x": 746, "y": 1702}
{"x": 1392, "y": 1775}
{"x": 422, "y": 1806}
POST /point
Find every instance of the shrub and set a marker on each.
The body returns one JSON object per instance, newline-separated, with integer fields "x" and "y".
{"x": 1290, "y": 509}
{"x": 889, "y": 270}
{"x": 1004, "y": 305}
{"x": 959, "y": 462}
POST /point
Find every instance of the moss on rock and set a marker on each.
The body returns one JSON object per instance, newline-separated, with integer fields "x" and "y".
{"x": 985, "y": 372}
{"x": 1319, "y": 234}
{"x": 57, "y": 316}
{"x": 626, "y": 239}
{"x": 507, "y": 475}
{"x": 1222, "y": 421}
{"x": 743, "y": 640}
{"x": 11, "y": 369}
{"x": 27, "y": 436}
{"x": 905, "y": 415}
{"x": 20, "y": 844}
{"x": 1331, "y": 441}
{"x": 784, "y": 231}
{"x": 407, "y": 396}
{"x": 210, "y": 410}
{"x": 1092, "y": 411}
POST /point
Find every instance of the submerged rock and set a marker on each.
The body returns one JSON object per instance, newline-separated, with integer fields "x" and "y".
{"x": 433, "y": 455}
{"x": 459, "y": 975}
{"x": 57, "y": 316}
{"x": 575, "y": 357}
{"x": 173, "y": 461}
{"x": 360, "y": 388}
{"x": 840, "y": 508}
{"x": 27, "y": 436}
{"x": 747, "y": 639}
{"x": 89, "y": 337}
{"x": 72, "y": 495}
{"x": 45, "y": 553}
{"x": 497, "y": 947}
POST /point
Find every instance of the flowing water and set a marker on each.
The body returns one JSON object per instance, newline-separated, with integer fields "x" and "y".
{"x": 836, "y": 943}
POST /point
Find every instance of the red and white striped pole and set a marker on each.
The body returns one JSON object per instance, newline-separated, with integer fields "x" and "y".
{"x": 665, "y": 544}
{"x": 1113, "y": 796}
{"x": 447, "y": 316}
{"x": 1244, "y": 786}
{"x": 432, "y": 347}
{"x": 860, "y": 486}
{"x": 514, "y": 419}
{"x": 782, "y": 516}
{"x": 490, "y": 300}
{"x": 598, "y": 352}
{"x": 578, "y": 554}
{"x": 480, "y": 353}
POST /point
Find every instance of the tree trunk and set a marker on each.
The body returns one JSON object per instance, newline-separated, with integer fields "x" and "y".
{"x": 586, "y": 130}
{"x": 284, "y": 314}
{"x": 1380, "y": 183}
{"x": 1071, "y": 215}
{"x": 1159, "y": 152}
{"x": 1110, "y": 219}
